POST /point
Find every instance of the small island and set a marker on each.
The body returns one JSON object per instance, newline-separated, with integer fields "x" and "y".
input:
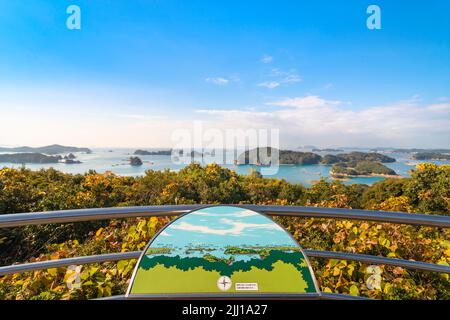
{"x": 23, "y": 158}
{"x": 70, "y": 159}
{"x": 140, "y": 152}
{"x": 51, "y": 150}
{"x": 356, "y": 156}
{"x": 351, "y": 169}
{"x": 430, "y": 156}
{"x": 327, "y": 150}
{"x": 36, "y": 158}
{"x": 262, "y": 157}
{"x": 135, "y": 161}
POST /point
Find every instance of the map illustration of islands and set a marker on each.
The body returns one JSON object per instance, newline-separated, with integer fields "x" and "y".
{"x": 223, "y": 250}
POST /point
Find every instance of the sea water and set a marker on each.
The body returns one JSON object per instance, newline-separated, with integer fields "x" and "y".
{"x": 116, "y": 161}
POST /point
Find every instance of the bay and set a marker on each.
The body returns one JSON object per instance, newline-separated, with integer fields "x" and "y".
{"x": 116, "y": 161}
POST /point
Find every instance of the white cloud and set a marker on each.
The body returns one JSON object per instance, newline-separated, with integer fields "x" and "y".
{"x": 292, "y": 78}
{"x": 269, "y": 84}
{"x": 281, "y": 78}
{"x": 440, "y": 107}
{"x": 244, "y": 213}
{"x": 266, "y": 59}
{"x": 236, "y": 227}
{"x": 218, "y": 81}
{"x": 305, "y": 102}
{"x": 316, "y": 120}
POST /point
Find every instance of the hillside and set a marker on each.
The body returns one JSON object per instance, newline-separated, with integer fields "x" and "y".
{"x": 357, "y": 156}
{"x": 28, "y": 158}
{"x": 430, "y": 156}
{"x": 140, "y": 152}
{"x": 360, "y": 168}
{"x": 52, "y": 149}
{"x": 261, "y": 156}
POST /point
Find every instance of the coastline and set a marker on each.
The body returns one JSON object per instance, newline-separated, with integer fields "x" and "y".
{"x": 346, "y": 177}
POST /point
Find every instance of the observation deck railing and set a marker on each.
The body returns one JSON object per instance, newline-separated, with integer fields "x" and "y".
{"x": 79, "y": 215}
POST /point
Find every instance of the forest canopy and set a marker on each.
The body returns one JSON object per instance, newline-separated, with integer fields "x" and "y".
{"x": 21, "y": 190}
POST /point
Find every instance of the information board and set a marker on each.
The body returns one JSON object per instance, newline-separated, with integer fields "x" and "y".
{"x": 223, "y": 251}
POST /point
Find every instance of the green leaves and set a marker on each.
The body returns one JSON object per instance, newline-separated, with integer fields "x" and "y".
{"x": 22, "y": 190}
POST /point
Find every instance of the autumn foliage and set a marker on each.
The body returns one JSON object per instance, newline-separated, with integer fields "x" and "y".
{"x": 23, "y": 190}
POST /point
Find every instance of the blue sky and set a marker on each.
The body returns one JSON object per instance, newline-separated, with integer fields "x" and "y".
{"x": 223, "y": 226}
{"x": 137, "y": 70}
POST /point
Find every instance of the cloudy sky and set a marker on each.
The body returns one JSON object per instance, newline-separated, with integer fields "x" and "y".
{"x": 221, "y": 226}
{"x": 139, "y": 70}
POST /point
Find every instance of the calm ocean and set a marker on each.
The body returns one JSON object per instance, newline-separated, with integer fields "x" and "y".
{"x": 116, "y": 160}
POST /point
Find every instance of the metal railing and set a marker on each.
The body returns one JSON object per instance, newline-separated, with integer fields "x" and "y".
{"x": 23, "y": 219}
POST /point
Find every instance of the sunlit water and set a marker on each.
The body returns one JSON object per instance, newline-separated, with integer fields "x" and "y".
{"x": 116, "y": 160}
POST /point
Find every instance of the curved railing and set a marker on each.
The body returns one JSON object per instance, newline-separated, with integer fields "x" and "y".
{"x": 23, "y": 219}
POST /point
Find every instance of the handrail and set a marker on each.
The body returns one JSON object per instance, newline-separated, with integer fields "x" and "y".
{"x": 409, "y": 264}
{"x": 66, "y": 216}
{"x": 49, "y": 264}
{"x": 78, "y": 215}
{"x": 12, "y": 269}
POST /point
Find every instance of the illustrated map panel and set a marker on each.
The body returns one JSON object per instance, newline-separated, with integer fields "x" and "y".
{"x": 222, "y": 250}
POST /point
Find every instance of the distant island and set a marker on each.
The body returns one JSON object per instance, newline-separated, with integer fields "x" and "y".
{"x": 261, "y": 156}
{"x": 37, "y": 158}
{"x": 430, "y": 156}
{"x": 327, "y": 150}
{"x": 356, "y": 156}
{"x": 409, "y": 150}
{"x": 52, "y": 149}
{"x": 360, "y": 168}
{"x": 135, "y": 161}
{"x": 29, "y": 158}
{"x": 153, "y": 153}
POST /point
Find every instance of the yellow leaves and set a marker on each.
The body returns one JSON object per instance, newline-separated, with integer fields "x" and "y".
{"x": 447, "y": 252}
{"x": 153, "y": 222}
{"x": 125, "y": 267}
{"x": 53, "y": 272}
{"x": 354, "y": 291}
{"x": 387, "y": 288}
{"x": 401, "y": 203}
{"x": 426, "y": 166}
{"x": 98, "y": 234}
{"x": 7, "y": 171}
{"x": 350, "y": 269}
{"x": 336, "y": 271}
{"x": 347, "y": 224}
{"x": 54, "y": 256}
{"x": 384, "y": 242}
